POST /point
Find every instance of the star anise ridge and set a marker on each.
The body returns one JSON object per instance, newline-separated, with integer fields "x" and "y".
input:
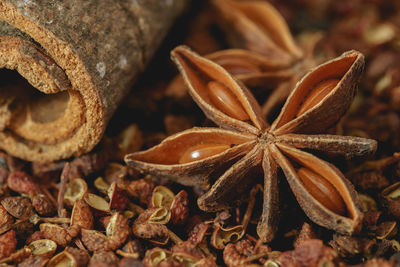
{"x": 247, "y": 142}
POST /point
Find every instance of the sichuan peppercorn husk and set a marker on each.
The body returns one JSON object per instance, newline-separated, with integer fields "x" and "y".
{"x": 65, "y": 66}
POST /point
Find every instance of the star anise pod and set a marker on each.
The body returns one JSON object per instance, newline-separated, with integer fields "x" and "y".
{"x": 230, "y": 157}
{"x": 264, "y": 54}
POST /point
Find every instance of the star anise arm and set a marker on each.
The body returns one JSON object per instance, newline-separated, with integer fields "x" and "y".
{"x": 224, "y": 100}
{"x": 322, "y": 191}
{"x": 230, "y": 186}
{"x": 321, "y": 97}
{"x": 172, "y": 157}
{"x": 257, "y": 26}
{"x": 349, "y": 146}
{"x": 253, "y": 69}
{"x": 268, "y": 223}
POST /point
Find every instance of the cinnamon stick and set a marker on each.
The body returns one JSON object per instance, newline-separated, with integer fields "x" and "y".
{"x": 80, "y": 58}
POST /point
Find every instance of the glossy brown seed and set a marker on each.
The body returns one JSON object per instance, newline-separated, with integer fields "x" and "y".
{"x": 317, "y": 94}
{"x": 322, "y": 190}
{"x": 202, "y": 151}
{"x": 226, "y": 101}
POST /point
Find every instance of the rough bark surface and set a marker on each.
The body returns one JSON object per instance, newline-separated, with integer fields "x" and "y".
{"x": 91, "y": 49}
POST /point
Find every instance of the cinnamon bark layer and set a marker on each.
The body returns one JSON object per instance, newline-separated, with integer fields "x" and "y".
{"x": 76, "y": 60}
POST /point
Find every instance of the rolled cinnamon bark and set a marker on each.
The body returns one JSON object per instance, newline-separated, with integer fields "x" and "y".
{"x": 80, "y": 58}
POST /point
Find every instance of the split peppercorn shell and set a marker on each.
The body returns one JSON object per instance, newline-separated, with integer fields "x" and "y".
{"x": 43, "y": 247}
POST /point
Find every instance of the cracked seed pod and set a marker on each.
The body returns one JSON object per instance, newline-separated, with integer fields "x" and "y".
{"x": 94, "y": 240}
{"x": 23, "y": 183}
{"x": 162, "y": 197}
{"x": 74, "y": 190}
{"x": 98, "y": 203}
{"x": 80, "y": 255}
{"x": 156, "y": 233}
{"x": 236, "y": 254}
{"x": 117, "y": 196}
{"x": 134, "y": 247}
{"x": 158, "y": 215}
{"x": 117, "y": 229}
{"x": 101, "y": 185}
{"x": 18, "y": 207}
{"x": 5, "y": 220}
{"x": 222, "y": 236}
{"x": 44, "y": 248}
{"x": 141, "y": 189}
{"x": 156, "y": 256}
{"x": 321, "y": 256}
{"x": 179, "y": 208}
{"x": 42, "y": 204}
{"x": 391, "y": 199}
{"x": 67, "y": 258}
{"x": 62, "y": 236}
{"x": 386, "y": 230}
{"x": 82, "y": 215}
{"x": 150, "y": 225}
{"x": 129, "y": 139}
{"x": 117, "y": 232}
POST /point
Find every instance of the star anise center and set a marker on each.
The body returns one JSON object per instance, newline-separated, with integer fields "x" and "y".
{"x": 266, "y": 138}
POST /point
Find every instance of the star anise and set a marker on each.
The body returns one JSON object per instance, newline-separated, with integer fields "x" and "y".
{"x": 230, "y": 157}
{"x": 264, "y": 54}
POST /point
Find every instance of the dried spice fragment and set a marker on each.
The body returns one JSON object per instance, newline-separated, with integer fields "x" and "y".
{"x": 62, "y": 236}
{"x": 391, "y": 199}
{"x": 74, "y": 190}
{"x": 117, "y": 232}
{"x": 118, "y": 197}
{"x": 35, "y": 261}
{"x": 141, "y": 189}
{"x": 310, "y": 253}
{"x": 5, "y": 220}
{"x": 179, "y": 208}
{"x": 8, "y": 244}
{"x": 82, "y": 215}
{"x": 236, "y": 254}
{"x": 18, "y": 207}
{"x": 42, "y": 204}
{"x": 103, "y": 259}
{"x": 222, "y": 236}
{"x": 130, "y": 262}
{"x": 70, "y": 257}
{"x": 246, "y": 143}
{"x": 150, "y": 225}
{"x": 43, "y": 247}
{"x": 22, "y": 182}
{"x": 352, "y": 247}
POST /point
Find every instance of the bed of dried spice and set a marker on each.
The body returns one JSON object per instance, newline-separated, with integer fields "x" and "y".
{"x": 95, "y": 210}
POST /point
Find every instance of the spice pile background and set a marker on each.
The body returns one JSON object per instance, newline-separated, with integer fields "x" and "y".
{"x": 115, "y": 216}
